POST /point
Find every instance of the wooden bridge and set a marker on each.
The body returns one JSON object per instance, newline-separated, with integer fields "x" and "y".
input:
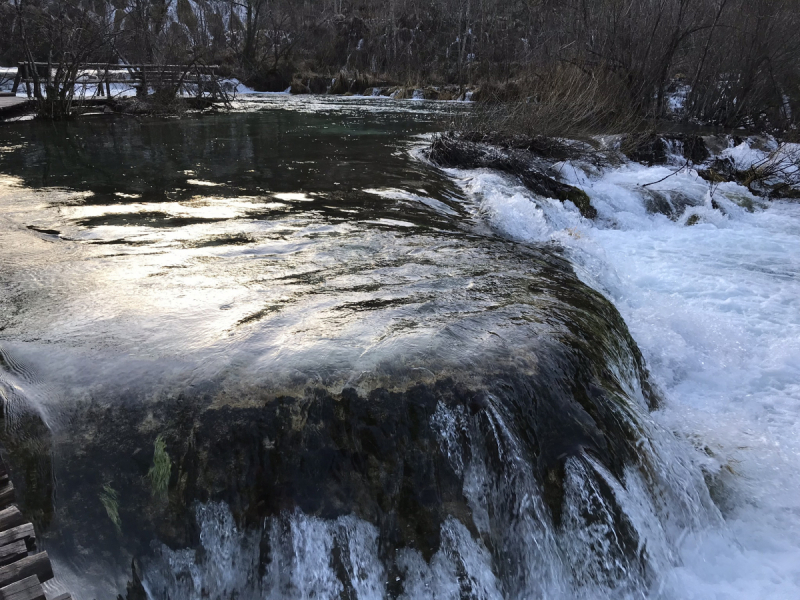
{"x": 140, "y": 77}
{"x": 22, "y": 569}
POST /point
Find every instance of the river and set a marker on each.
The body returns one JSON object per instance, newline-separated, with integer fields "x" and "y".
{"x": 275, "y": 353}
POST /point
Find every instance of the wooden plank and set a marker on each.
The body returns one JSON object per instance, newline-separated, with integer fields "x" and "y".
{"x": 13, "y": 552}
{"x": 8, "y": 104}
{"x": 36, "y": 564}
{"x": 10, "y": 517}
{"x": 7, "y": 492}
{"x": 28, "y": 589}
{"x": 21, "y": 532}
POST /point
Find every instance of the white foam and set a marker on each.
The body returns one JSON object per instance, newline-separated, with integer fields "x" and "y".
{"x": 301, "y": 562}
{"x": 715, "y": 308}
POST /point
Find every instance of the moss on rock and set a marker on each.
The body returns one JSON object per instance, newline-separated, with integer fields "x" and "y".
{"x": 580, "y": 199}
{"x": 712, "y": 175}
{"x": 692, "y": 220}
{"x": 463, "y": 151}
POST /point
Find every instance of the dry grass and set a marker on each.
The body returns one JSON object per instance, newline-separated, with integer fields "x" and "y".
{"x": 565, "y": 101}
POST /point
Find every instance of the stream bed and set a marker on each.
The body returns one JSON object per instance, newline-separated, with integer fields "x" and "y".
{"x": 275, "y": 353}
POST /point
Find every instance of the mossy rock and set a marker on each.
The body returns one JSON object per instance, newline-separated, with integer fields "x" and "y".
{"x": 453, "y": 151}
{"x": 318, "y": 85}
{"x": 712, "y": 175}
{"x": 429, "y": 93}
{"x": 401, "y": 93}
{"x": 656, "y": 148}
{"x": 298, "y": 87}
{"x": 692, "y": 220}
{"x": 340, "y": 85}
{"x": 785, "y": 191}
{"x": 359, "y": 85}
{"x": 580, "y": 199}
{"x": 272, "y": 80}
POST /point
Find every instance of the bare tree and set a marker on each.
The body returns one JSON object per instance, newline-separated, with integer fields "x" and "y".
{"x": 72, "y": 34}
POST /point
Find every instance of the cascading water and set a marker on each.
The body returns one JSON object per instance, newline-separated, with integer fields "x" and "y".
{"x": 404, "y": 386}
{"x": 707, "y": 278}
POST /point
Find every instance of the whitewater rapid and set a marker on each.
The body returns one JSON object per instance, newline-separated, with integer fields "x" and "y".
{"x": 715, "y": 308}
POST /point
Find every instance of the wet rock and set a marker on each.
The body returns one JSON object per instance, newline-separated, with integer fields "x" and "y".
{"x": 712, "y": 175}
{"x": 656, "y": 149}
{"x": 318, "y": 85}
{"x": 401, "y": 93}
{"x": 580, "y": 199}
{"x": 340, "y": 85}
{"x": 135, "y": 589}
{"x": 657, "y": 203}
{"x": 670, "y": 203}
{"x": 694, "y": 149}
{"x": 428, "y": 93}
{"x": 716, "y": 144}
{"x": 271, "y": 80}
{"x": 358, "y": 86}
{"x": 478, "y": 402}
{"x": 784, "y": 191}
{"x": 692, "y": 220}
{"x": 462, "y": 152}
{"x": 395, "y": 450}
{"x": 298, "y": 87}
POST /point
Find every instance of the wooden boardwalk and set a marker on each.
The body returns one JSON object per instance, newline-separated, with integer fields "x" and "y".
{"x": 22, "y": 569}
{"x": 11, "y": 106}
{"x": 7, "y": 102}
